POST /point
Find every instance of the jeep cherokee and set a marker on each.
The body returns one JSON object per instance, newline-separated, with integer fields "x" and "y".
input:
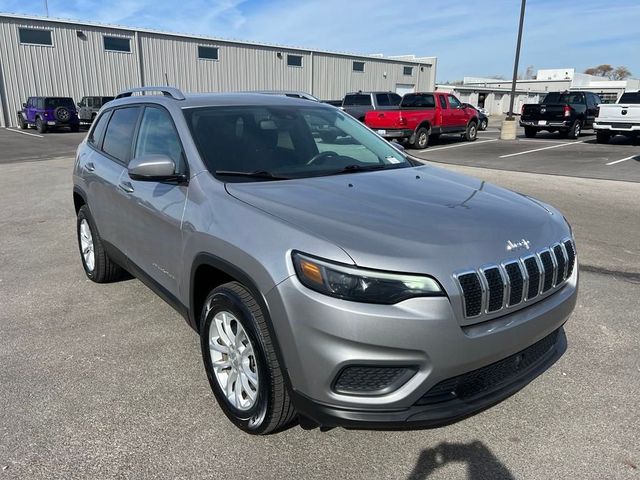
{"x": 341, "y": 283}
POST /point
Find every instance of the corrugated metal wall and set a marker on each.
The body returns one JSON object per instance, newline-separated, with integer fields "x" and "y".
{"x": 78, "y": 65}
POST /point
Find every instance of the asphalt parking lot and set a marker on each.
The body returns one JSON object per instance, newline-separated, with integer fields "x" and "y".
{"x": 547, "y": 153}
{"x": 106, "y": 381}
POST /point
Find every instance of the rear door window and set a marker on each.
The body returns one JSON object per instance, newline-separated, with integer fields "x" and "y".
{"x": 443, "y": 102}
{"x": 97, "y": 132}
{"x": 119, "y": 134}
{"x": 383, "y": 99}
{"x": 357, "y": 100}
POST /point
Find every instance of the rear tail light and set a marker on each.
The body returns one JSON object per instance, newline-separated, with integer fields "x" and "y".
{"x": 522, "y": 110}
{"x": 597, "y": 111}
{"x": 567, "y": 111}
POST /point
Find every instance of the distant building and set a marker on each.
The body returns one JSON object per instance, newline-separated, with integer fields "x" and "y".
{"x": 44, "y": 56}
{"x": 494, "y": 94}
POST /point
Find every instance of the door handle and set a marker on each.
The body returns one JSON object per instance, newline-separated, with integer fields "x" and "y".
{"x": 126, "y": 187}
{"x": 89, "y": 167}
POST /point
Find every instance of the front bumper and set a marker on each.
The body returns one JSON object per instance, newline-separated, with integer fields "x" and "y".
{"x": 320, "y": 336}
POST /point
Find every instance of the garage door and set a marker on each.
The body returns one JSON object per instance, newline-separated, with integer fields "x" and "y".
{"x": 402, "y": 88}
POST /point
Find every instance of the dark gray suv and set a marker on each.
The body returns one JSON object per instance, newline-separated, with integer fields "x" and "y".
{"x": 339, "y": 282}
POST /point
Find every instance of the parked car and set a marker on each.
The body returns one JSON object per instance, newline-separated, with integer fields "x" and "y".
{"x": 47, "y": 113}
{"x": 337, "y": 283}
{"x": 566, "y": 112}
{"x": 483, "y": 119}
{"x": 421, "y": 116}
{"x": 88, "y": 107}
{"x": 359, "y": 103}
{"x": 622, "y": 118}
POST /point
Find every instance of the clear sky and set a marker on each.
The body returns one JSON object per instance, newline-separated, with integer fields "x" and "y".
{"x": 470, "y": 38}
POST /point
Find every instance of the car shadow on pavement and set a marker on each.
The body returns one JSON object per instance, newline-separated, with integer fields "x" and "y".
{"x": 480, "y": 462}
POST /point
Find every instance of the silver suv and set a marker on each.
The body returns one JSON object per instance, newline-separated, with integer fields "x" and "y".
{"x": 337, "y": 283}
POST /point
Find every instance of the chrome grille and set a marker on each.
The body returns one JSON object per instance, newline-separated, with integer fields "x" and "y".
{"x": 494, "y": 287}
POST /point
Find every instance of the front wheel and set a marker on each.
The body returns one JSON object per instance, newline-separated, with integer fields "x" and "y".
{"x": 472, "y": 132}
{"x": 484, "y": 123}
{"x": 41, "y": 126}
{"x": 22, "y": 123}
{"x": 241, "y": 363}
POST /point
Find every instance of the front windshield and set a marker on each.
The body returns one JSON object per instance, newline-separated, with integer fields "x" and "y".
{"x": 287, "y": 142}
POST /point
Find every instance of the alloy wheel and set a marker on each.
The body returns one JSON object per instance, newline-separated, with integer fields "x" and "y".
{"x": 233, "y": 360}
{"x": 86, "y": 245}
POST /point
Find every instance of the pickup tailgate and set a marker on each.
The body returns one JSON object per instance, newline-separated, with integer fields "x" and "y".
{"x": 543, "y": 113}
{"x": 383, "y": 119}
{"x": 619, "y": 113}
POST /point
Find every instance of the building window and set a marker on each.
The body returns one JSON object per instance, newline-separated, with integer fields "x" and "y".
{"x": 407, "y": 70}
{"x": 117, "y": 44}
{"x": 358, "y": 66}
{"x": 33, "y": 36}
{"x": 208, "y": 53}
{"x": 294, "y": 60}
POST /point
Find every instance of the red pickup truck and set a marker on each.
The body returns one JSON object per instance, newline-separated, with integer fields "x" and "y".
{"x": 424, "y": 115}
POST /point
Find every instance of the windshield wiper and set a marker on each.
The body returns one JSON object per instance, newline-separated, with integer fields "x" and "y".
{"x": 355, "y": 168}
{"x": 256, "y": 174}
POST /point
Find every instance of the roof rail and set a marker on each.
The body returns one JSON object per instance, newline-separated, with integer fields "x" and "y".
{"x": 172, "y": 92}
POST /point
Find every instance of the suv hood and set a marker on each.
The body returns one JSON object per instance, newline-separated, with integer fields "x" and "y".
{"x": 422, "y": 220}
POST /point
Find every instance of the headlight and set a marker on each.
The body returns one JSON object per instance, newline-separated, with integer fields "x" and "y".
{"x": 360, "y": 285}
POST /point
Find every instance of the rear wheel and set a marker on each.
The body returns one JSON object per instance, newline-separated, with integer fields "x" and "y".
{"x": 472, "y": 132}
{"x": 97, "y": 264}
{"x": 575, "y": 130}
{"x": 602, "y": 137}
{"x": 41, "y": 126}
{"x": 241, "y": 363}
{"x": 421, "y": 139}
{"x": 530, "y": 132}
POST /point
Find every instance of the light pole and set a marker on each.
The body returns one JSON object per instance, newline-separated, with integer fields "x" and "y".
{"x": 509, "y": 125}
{"x": 46, "y": 8}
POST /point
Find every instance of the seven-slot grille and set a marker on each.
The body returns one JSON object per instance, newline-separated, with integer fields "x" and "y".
{"x": 495, "y": 287}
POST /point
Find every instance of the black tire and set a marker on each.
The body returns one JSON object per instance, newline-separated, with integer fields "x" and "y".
{"x": 421, "y": 138}
{"x": 471, "y": 134}
{"x": 41, "y": 126}
{"x": 530, "y": 132}
{"x": 22, "y": 123}
{"x": 272, "y": 410}
{"x": 576, "y": 128}
{"x": 104, "y": 270}
{"x": 75, "y": 128}
{"x": 484, "y": 123}
{"x": 602, "y": 137}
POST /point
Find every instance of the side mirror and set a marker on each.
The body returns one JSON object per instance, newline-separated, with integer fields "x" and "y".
{"x": 397, "y": 145}
{"x": 154, "y": 168}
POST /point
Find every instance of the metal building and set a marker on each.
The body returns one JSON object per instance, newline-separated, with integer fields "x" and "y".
{"x": 43, "y": 56}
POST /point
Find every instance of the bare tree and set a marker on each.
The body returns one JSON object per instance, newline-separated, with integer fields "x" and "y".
{"x": 603, "y": 70}
{"x": 528, "y": 74}
{"x": 621, "y": 73}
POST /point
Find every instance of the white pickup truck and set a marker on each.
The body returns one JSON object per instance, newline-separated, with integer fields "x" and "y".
{"x": 622, "y": 118}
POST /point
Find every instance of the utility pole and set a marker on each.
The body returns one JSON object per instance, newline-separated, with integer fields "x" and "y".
{"x": 46, "y": 8}
{"x": 509, "y": 126}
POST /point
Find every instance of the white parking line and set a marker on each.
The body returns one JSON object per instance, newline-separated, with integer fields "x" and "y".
{"x": 456, "y": 145}
{"x": 622, "y": 160}
{"x": 24, "y": 133}
{"x": 540, "y": 149}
